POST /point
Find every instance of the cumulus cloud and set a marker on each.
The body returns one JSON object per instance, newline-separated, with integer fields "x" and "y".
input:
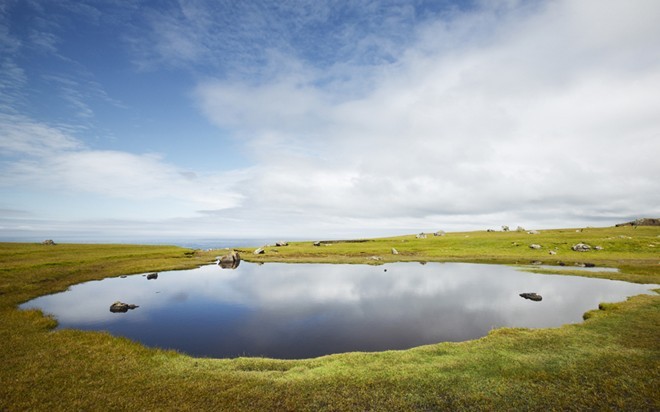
{"x": 52, "y": 159}
{"x": 368, "y": 118}
{"x": 552, "y": 114}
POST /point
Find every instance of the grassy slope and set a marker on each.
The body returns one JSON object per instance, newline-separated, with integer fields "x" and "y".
{"x": 610, "y": 361}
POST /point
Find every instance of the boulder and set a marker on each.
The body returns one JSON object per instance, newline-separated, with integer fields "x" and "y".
{"x": 230, "y": 261}
{"x": 281, "y": 244}
{"x": 505, "y": 228}
{"x": 421, "y": 236}
{"x": 439, "y": 233}
{"x": 534, "y": 246}
{"x": 259, "y": 251}
{"x": 121, "y": 307}
{"x": 152, "y": 276}
{"x": 552, "y": 252}
{"x": 531, "y": 296}
{"x": 395, "y": 252}
{"x": 581, "y": 247}
{"x": 48, "y": 242}
{"x": 317, "y": 243}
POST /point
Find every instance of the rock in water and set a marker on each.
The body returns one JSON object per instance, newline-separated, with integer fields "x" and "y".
{"x": 230, "y": 261}
{"x": 121, "y": 307}
{"x": 152, "y": 276}
{"x": 531, "y": 296}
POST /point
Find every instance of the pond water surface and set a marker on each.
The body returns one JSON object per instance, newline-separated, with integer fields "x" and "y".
{"x": 294, "y": 311}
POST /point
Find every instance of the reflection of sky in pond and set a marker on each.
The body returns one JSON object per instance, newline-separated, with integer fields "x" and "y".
{"x": 306, "y": 310}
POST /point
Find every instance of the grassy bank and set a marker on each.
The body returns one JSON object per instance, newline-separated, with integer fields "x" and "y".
{"x": 635, "y": 250}
{"x": 611, "y": 361}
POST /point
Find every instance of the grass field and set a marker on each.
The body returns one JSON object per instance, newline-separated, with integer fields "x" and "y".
{"x": 609, "y": 362}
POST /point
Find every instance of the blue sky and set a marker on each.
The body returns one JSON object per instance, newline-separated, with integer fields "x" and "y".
{"x": 275, "y": 119}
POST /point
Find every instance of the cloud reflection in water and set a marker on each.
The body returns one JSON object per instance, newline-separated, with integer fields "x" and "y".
{"x": 306, "y": 310}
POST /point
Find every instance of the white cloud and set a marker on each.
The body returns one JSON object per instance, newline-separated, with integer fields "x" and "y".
{"x": 549, "y": 114}
{"x": 20, "y": 135}
{"x": 512, "y": 112}
{"x": 50, "y": 160}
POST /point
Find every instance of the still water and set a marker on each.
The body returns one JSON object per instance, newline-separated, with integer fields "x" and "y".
{"x": 294, "y": 311}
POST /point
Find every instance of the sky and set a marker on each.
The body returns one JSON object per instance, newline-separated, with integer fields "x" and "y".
{"x": 130, "y": 119}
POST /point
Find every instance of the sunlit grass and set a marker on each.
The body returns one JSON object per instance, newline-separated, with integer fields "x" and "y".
{"x": 611, "y": 361}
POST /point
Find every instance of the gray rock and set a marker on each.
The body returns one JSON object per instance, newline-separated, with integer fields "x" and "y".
{"x": 121, "y": 307}
{"x": 645, "y": 221}
{"x": 259, "y": 251}
{"x": 421, "y": 236}
{"x": 552, "y": 252}
{"x": 395, "y": 252}
{"x": 152, "y": 276}
{"x": 581, "y": 247}
{"x": 598, "y": 248}
{"x": 532, "y": 296}
{"x": 48, "y": 242}
{"x": 317, "y": 243}
{"x": 534, "y": 246}
{"x": 439, "y": 233}
{"x": 230, "y": 261}
{"x": 281, "y": 244}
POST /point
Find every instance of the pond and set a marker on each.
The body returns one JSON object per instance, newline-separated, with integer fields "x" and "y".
{"x": 295, "y": 311}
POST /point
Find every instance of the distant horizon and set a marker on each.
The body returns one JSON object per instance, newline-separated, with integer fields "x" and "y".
{"x": 228, "y": 241}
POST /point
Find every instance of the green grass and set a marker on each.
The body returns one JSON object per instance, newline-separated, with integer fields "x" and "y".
{"x": 609, "y": 362}
{"x": 623, "y": 247}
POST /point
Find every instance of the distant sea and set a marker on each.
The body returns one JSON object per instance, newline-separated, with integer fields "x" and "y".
{"x": 206, "y": 244}
{"x": 190, "y": 243}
